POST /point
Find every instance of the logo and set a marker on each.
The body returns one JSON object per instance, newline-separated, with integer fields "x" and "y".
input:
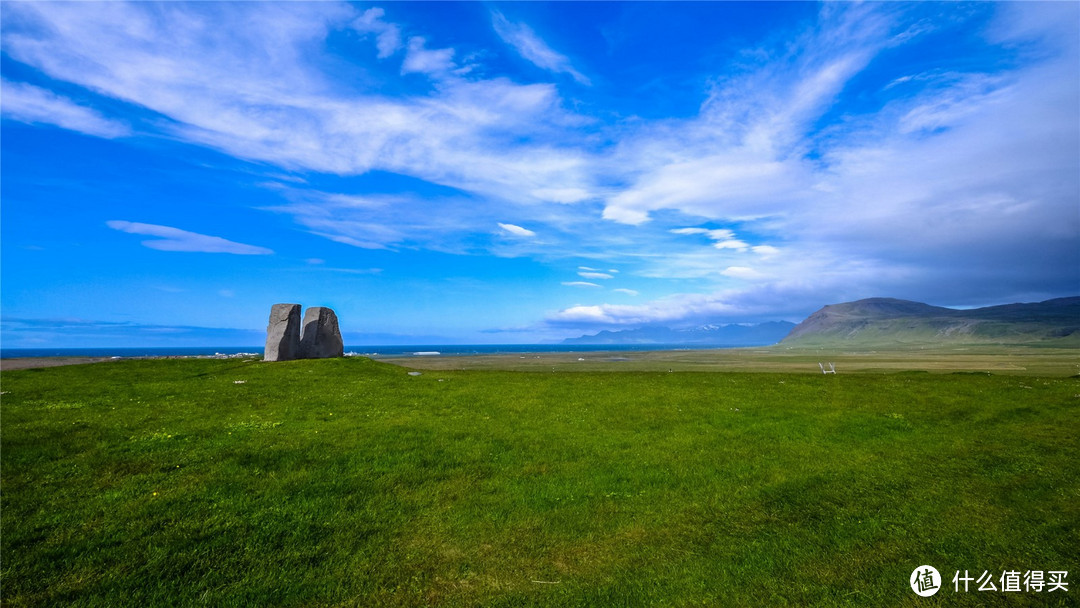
{"x": 925, "y": 581}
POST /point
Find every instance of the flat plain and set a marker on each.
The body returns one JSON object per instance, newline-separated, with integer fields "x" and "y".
{"x": 609, "y": 482}
{"x": 1022, "y": 360}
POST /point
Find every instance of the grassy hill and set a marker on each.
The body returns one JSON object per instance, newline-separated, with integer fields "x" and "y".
{"x": 347, "y": 482}
{"x": 883, "y": 322}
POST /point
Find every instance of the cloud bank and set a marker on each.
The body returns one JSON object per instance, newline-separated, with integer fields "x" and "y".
{"x": 817, "y": 166}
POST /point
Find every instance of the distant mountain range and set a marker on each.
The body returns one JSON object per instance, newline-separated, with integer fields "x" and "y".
{"x": 887, "y": 321}
{"x": 879, "y": 322}
{"x": 759, "y": 334}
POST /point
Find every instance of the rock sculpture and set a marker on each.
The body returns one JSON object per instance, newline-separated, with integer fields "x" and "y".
{"x": 283, "y": 333}
{"x": 318, "y": 337}
{"x": 321, "y": 338}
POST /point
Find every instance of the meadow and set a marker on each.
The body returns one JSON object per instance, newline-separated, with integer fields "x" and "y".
{"x": 350, "y": 482}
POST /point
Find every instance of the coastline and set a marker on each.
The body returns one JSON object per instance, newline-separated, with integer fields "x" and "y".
{"x": 1022, "y": 360}
{"x": 37, "y": 362}
{"x": 16, "y": 363}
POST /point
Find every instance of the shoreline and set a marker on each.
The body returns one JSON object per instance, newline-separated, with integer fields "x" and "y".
{"x": 17, "y": 363}
{"x": 1061, "y": 362}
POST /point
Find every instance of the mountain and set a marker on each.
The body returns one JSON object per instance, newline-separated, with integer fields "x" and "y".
{"x": 760, "y": 334}
{"x": 887, "y": 321}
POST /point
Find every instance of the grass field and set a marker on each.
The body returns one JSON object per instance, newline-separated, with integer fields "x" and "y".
{"x": 349, "y": 482}
{"x": 1020, "y": 360}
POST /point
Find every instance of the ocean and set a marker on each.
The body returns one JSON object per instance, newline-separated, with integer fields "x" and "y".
{"x": 415, "y": 350}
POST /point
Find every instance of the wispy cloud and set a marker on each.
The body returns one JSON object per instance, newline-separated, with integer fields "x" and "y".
{"x": 516, "y": 230}
{"x": 759, "y": 303}
{"x": 530, "y": 46}
{"x": 418, "y": 58}
{"x": 356, "y": 271}
{"x": 780, "y": 185}
{"x": 595, "y": 275}
{"x": 174, "y": 239}
{"x": 387, "y": 35}
{"x": 943, "y": 154}
{"x": 722, "y": 237}
{"x": 27, "y": 103}
{"x": 742, "y": 272}
{"x": 281, "y": 108}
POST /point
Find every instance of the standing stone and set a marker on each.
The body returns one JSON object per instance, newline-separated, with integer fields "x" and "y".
{"x": 283, "y": 333}
{"x": 321, "y": 338}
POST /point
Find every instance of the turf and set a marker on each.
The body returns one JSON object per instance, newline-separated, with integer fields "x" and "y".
{"x": 351, "y": 483}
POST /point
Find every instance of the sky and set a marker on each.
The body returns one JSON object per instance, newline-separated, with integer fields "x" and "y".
{"x": 526, "y": 172}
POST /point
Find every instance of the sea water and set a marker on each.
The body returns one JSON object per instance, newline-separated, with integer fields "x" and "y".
{"x": 416, "y": 350}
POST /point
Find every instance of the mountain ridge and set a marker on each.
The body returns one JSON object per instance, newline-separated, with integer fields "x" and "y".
{"x": 891, "y": 321}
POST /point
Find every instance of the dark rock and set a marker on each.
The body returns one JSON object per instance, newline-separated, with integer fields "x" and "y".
{"x": 321, "y": 338}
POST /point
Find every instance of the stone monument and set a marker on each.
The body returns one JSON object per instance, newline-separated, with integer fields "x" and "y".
{"x": 283, "y": 333}
{"x": 320, "y": 337}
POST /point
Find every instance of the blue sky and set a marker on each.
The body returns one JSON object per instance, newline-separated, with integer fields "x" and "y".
{"x": 524, "y": 172}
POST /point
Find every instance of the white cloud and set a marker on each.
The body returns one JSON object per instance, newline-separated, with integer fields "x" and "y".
{"x": 968, "y": 178}
{"x": 742, "y": 272}
{"x": 678, "y": 308}
{"x": 388, "y": 35}
{"x": 533, "y": 48}
{"x": 732, "y": 244}
{"x": 241, "y": 78}
{"x": 629, "y": 292}
{"x": 561, "y": 195}
{"x": 27, "y": 103}
{"x": 393, "y": 222}
{"x": 359, "y": 271}
{"x": 766, "y": 251}
{"x": 717, "y": 234}
{"x": 595, "y": 275}
{"x": 174, "y": 239}
{"x": 517, "y": 230}
{"x": 579, "y": 284}
{"x": 590, "y": 315}
{"x": 957, "y": 176}
{"x": 420, "y": 59}
{"x": 724, "y": 238}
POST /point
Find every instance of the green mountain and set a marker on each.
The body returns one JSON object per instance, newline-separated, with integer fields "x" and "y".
{"x": 882, "y": 322}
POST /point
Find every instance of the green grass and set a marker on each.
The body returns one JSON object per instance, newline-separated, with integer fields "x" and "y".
{"x": 350, "y": 483}
{"x": 1020, "y": 360}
